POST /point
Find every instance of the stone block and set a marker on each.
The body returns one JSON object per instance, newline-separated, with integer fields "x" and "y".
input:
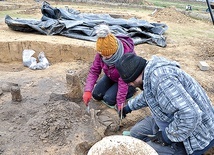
{"x": 203, "y": 66}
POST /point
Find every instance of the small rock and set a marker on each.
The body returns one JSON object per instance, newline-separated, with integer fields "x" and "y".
{"x": 203, "y": 66}
{"x": 5, "y": 87}
{"x": 11, "y": 129}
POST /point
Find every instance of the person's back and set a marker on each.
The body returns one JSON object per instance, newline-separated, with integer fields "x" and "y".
{"x": 192, "y": 109}
{"x": 179, "y": 105}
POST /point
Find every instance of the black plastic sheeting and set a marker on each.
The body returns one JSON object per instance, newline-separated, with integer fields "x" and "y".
{"x": 71, "y": 23}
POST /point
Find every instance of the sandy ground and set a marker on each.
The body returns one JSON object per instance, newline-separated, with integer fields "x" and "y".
{"x": 45, "y": 122}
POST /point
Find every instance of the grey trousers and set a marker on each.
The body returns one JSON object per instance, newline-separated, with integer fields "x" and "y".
{"x": 148, "y": 126}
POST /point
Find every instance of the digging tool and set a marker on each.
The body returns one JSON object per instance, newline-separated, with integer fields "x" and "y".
{"x": 121, "y": 117}
{"x": 150, "y": 136}
{"x": 88, "y": 107}
{"x": 127, "y": 133}
{"x": 210, "y": 10}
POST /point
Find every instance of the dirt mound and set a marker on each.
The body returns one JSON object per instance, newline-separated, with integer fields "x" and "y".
{"x": 208, "y": 49}
{"x": 172, "y": 15}
{"x": 58, "y": 117}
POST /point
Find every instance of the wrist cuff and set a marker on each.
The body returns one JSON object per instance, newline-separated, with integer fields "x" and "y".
{"x": 165, "y": 138}
{"x": 127, "y": 109}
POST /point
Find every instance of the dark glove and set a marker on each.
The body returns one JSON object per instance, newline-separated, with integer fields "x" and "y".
{"x": 124, "y": 111}
{"x": 159, "y": 139}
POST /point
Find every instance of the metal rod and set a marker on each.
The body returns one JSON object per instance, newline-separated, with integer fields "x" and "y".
{"x": 210, "y": 10}
{"x": 120, "y": 118}
{"x": 148, "y": 135}
{"x": 88, "y": 108}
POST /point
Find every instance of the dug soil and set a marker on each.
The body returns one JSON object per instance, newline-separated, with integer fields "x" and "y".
{"x": 51, "y": 119}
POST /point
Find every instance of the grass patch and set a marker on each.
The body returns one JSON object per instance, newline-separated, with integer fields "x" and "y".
{"x": 196, "y": 6}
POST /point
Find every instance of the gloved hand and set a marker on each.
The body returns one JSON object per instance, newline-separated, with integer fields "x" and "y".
{"x": 159, "y": 139}
{"x": 124, "y": 111}
{"x": 119, "y": 107}
{"x": 86, "y": 97}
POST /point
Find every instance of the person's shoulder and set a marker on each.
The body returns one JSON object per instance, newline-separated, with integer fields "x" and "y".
{"x": 126, "y": 40}
{"x": 122, "y": 36}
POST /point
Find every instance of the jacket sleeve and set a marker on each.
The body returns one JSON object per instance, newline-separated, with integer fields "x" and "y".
{"x": 175, "y": 100}
{"x": 122, "y": 86}
{"x": 122, "y": 92}
{"x": 93, "y": 74}
{"x": 137, "y": 102}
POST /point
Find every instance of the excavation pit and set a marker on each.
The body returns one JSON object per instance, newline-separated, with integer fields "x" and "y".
{"x": 46, "y": 121}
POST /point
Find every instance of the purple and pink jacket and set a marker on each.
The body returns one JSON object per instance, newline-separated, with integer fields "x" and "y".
{"x": 98, "y": 65}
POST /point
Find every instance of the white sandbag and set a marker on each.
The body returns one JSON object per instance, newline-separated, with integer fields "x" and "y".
{"x": 27, "y": 57}
{"x": 31, "y": 62}
{"x": 43, "y": 61}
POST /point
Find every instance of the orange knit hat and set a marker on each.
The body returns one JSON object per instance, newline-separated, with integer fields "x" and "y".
{"x": 106, "y": 42}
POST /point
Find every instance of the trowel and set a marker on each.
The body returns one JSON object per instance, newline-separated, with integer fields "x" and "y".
{"x": 88, "y": 107}
{"x": 120, "y": 117}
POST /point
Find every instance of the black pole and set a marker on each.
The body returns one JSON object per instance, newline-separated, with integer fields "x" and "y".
{"x": 210, "y": 10}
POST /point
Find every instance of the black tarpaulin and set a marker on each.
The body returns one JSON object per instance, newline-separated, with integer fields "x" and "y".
{"x": 71, "y": 23}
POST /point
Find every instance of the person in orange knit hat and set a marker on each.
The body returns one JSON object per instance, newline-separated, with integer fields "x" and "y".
{"x": 110, "y": 89}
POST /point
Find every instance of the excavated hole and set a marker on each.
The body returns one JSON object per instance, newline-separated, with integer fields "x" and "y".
{"x": 51, "y": 109}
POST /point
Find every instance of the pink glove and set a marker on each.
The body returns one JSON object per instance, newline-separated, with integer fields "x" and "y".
{"x": 119, "y": 107}
{"x": 87, "y": 97}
